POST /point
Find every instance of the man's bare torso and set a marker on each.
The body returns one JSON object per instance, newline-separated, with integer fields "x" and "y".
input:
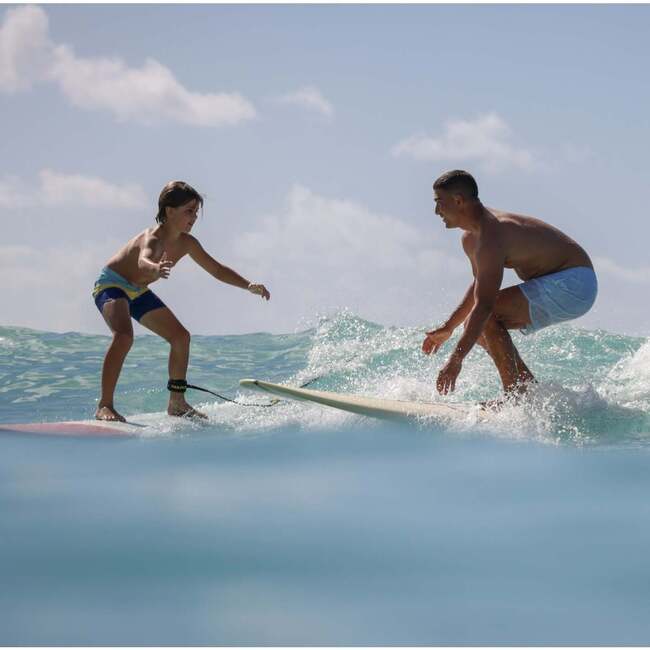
{"x": 531, "y": 247}
{"x": 125, "y": 261}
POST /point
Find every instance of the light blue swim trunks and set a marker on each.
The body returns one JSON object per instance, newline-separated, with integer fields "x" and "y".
{"x": 559, "y": 297}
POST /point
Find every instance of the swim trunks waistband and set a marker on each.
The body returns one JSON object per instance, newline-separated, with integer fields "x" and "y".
{"x": 109, "y": 278}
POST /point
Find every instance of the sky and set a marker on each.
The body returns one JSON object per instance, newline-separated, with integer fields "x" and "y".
{"x": 315, "y": 133}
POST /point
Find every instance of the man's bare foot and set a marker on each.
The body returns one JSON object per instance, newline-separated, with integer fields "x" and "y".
{"x": 109, "y": 414}
{"x": 495, "y": 404}
{"x": 184, "y": 410}
{"x": 511, "y": 398}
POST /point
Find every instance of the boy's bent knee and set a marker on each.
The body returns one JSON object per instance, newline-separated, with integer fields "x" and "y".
{"x": 180, "y": 337}
{"x": 123, "y": 339}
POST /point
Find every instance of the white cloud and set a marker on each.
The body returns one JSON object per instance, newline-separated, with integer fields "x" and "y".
{"x": 336, "y": 234}
{"x": 24, "y": 48}
{"x": 309, "y": 97}
{"x": 149, "y": 94}
{"x": 50, "y": 288}
{"x": 13, "y": 193}
{"x": 640, "y": 275}
{"x": 55, "y": 188}
{"x": 484, "y": 141}
{"x": 316, "y": 254}
{"x": 333, "y": 253}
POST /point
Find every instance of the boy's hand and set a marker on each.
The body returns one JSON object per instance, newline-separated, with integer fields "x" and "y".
{"x": 164, "y": 266}
{"x": 259, "y": 290}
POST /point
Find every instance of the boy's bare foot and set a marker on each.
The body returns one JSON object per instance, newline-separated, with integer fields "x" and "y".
{"x": 109, "y": 414}
{"x": 184, "y": 410}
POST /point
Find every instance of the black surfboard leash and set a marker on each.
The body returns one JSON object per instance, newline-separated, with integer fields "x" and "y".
{"x": 181, "y": 385}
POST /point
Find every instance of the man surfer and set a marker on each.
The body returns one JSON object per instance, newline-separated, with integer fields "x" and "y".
{"x": 559, "y": 281}
{"x": 122, "y": 292}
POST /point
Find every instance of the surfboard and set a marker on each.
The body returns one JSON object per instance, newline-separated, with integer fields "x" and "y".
{"x": 78, "y": 428}
{"x": 375, "y": 407}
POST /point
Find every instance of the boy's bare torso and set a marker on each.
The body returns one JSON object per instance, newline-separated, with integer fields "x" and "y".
{"x": 153, "y": 246}
{"x": 531, "y": 247}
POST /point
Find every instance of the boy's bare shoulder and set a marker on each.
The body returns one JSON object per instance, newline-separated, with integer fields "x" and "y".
{"x": 142, "y": 237}
{"x": 137, "y": 241}
{"x": 189, "y": 242}
{"x": 150, "y": 234}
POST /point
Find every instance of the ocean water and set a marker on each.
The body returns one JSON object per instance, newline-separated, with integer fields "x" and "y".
{"x": 300, "y": 525}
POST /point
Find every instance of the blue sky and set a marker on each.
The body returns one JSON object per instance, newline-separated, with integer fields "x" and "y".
{"x": 315, "y": 133}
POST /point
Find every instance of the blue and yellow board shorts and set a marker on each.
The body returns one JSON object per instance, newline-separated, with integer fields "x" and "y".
{"x": 110, "y": 286}
{"x": 559, "y": 297}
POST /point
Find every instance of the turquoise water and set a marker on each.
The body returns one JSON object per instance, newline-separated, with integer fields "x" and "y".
{"x": 299, "y": 525}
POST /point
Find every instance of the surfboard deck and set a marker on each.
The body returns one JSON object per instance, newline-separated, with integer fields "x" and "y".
{"x": 384, "y": 409}
{"x": 76, "y": 428}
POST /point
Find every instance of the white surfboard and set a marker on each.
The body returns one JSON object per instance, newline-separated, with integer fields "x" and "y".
{"x": 385, "y": 409}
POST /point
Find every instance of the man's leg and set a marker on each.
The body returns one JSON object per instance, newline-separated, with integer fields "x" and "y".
{"x": 117, "y": 317}
{"x": 162, "y": 321}
{"x": 510, "y": 312}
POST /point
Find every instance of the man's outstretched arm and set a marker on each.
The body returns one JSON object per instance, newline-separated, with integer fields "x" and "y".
{"x": 486, "y": 287}
{"x": 489, "y": 275}
{"x": 435, "y": 338}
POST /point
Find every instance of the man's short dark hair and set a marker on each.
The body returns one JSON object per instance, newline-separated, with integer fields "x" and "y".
{"x": 458, "y": 181}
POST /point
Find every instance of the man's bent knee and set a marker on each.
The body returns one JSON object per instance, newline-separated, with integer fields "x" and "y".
{"x": 482, "y": 341}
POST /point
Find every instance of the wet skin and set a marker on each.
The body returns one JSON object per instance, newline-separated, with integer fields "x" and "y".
{"x": 147, "y": 257}
{"x": 493, "y": 241}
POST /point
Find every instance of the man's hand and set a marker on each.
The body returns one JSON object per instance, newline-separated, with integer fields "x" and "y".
{"x": 435, "y": 339}
{"x": 446, "y": 382}
{"x": 259, "y": 290}
{"x": 164, "y": 267}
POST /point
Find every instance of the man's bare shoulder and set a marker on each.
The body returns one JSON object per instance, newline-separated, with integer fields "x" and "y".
{"x": 468, "y": 242}
{"x": 492, "y": 237}
{"x": 513, "y": 218}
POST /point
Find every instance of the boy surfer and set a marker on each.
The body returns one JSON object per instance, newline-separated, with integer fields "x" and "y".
{"x": 122, "y": 292}
{"x": 559, "y": 282}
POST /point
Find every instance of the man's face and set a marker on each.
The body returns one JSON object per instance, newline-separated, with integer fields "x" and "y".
{"x": 447, "y": 207}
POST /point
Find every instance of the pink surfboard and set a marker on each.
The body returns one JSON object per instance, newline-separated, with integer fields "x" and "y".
{"x": 83, "y": 428}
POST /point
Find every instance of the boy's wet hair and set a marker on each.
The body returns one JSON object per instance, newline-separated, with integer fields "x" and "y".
{"x": 175, "y": 194}
{"x": 458, "y": 181}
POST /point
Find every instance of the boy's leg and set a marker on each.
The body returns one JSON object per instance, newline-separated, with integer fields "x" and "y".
{"x": 117, "y": 317}
{"x": 162, "y": 321}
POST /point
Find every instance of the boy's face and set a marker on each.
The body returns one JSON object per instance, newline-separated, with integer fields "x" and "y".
{"x": 184, "y": 216}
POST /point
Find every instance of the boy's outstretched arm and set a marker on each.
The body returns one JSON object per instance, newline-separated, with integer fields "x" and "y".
{"x": 221, "y": 272}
